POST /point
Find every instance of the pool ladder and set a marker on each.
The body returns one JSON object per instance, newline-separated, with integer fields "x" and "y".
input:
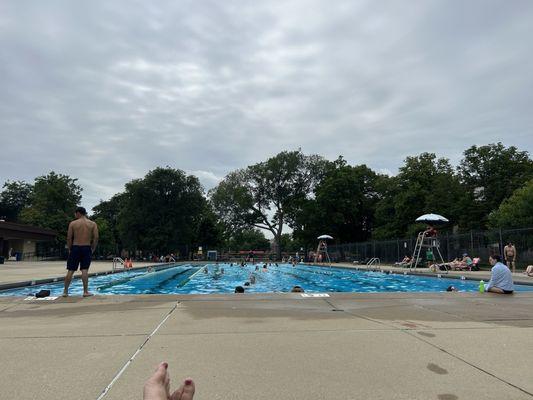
{"x": 118, "y": 261}
{"x": 373, "y": 261}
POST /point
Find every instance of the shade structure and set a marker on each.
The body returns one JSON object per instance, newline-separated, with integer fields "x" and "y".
{"x": 432, "y": 219}
{"x": 322, "y": 237}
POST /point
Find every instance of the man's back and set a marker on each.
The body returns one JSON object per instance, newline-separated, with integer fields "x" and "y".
{"x": 82, "y": 232}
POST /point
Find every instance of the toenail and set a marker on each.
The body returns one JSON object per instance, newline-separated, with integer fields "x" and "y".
{"x": 188, "y": 382}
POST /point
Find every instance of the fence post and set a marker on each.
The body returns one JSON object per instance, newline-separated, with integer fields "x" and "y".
{"x": 471, "y": 242}
{"x": 398, "y": 247}
{"x": 448, "y": 246}
{"x": 500, "y": 245}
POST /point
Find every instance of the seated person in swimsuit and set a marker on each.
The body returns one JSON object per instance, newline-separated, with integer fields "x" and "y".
{"x": 405, "y": 261}
{"x": 529, "y": 270}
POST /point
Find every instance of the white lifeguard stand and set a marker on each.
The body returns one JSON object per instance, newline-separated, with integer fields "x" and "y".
{"x": 322, "y": 249}
{"x": 426, "y": 240}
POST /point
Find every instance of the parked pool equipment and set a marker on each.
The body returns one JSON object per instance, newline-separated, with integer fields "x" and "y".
{"x": 427, "y": 240}
{"x": 322, "y": 250}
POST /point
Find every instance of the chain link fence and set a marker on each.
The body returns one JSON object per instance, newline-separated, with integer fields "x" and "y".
{"x": 476, "y": 243}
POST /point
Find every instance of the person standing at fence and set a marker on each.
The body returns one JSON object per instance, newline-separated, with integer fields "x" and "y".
{"x": 509, "y": 253}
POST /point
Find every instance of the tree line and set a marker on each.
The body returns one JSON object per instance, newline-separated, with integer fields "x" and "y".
{"x": 306, "y": 195}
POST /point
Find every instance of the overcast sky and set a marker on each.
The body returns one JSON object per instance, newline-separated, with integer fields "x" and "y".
{"x": 106, "y": 90}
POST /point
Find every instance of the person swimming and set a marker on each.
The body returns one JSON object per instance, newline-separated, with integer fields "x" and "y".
{"x": 297, "y": 289}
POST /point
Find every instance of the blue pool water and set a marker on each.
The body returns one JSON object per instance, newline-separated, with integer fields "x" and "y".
{"x": 189, "y": 279}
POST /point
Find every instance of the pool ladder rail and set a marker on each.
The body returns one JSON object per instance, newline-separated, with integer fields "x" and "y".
{"x": 118, "y": 261}
{"x": 373, "y": 261}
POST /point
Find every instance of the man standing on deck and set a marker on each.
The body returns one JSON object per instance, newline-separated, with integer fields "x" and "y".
{"x": 509, "y": 252}
{"x": 82, "y": 238}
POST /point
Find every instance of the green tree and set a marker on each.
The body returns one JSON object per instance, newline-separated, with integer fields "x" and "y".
{"x": 516, "y": 211}
{"x": 490, "y": 174}
{"x": 161, "y": 212}
{"x": 210, "y": 231}
{"x": 425, "y": 184}
{"x": 109, "y": 211}
{"x": 106, "y": 242}
{"x": 267, "y": 195}
{"x": 52, "y": 203}
{"x": 13, "y": 198}
{"x": 291, "y": 244}
{"x": 248, "y": 239}
{"x": 343, "y": 205}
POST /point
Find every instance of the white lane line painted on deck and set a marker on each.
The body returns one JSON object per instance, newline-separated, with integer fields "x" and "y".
{"x": 119, "y": 374}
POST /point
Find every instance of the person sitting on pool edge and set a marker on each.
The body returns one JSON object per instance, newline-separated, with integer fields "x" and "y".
{"x": 297, "y": 289}
{"x": 157, "y": 387}
{"x": 501, "y": 279}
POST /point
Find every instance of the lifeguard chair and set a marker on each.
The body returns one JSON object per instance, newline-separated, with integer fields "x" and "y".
{"x": 428, "y": 239}
{"x": 322, "y": 254}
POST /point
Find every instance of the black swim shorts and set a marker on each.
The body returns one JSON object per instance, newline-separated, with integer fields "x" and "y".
{"x": 79, "y": 256}
{"x": 507, "y": 291}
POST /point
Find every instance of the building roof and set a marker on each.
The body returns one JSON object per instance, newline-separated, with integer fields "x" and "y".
{"x": 12, "y": 230}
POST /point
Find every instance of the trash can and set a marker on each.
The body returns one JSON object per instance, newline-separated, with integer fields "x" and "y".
{"x": 1, "y": 259}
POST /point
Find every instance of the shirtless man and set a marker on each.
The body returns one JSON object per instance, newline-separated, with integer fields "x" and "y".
{"x": 82, "y": 238}
{"x": 509, "y": 252}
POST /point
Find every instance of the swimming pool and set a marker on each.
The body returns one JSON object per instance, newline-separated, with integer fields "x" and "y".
{"x": 223, "y": 278}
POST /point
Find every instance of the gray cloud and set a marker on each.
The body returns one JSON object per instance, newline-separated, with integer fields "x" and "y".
{"x": 105, "y": 91}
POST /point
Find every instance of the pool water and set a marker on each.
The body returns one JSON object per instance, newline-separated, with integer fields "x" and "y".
{"x": 223, "y": 278}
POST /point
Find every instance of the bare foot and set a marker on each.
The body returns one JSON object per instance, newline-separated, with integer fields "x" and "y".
{"x": 158, "y": 386}
{"x": 65, "y": 294}
{"x": 87, "y": 294}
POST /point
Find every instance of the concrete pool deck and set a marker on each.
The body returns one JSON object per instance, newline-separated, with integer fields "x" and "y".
{"x": 261, "y": 346}
{"x": 346, "y": 346}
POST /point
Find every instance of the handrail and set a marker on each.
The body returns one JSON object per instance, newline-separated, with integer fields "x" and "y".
{"x": 373, "y": 261}
{"x": 117, "y": 260}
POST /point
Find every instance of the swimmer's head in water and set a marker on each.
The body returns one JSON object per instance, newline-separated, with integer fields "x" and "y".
{"x": 297, "y": 289}
{"x": 239, "y": 289}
